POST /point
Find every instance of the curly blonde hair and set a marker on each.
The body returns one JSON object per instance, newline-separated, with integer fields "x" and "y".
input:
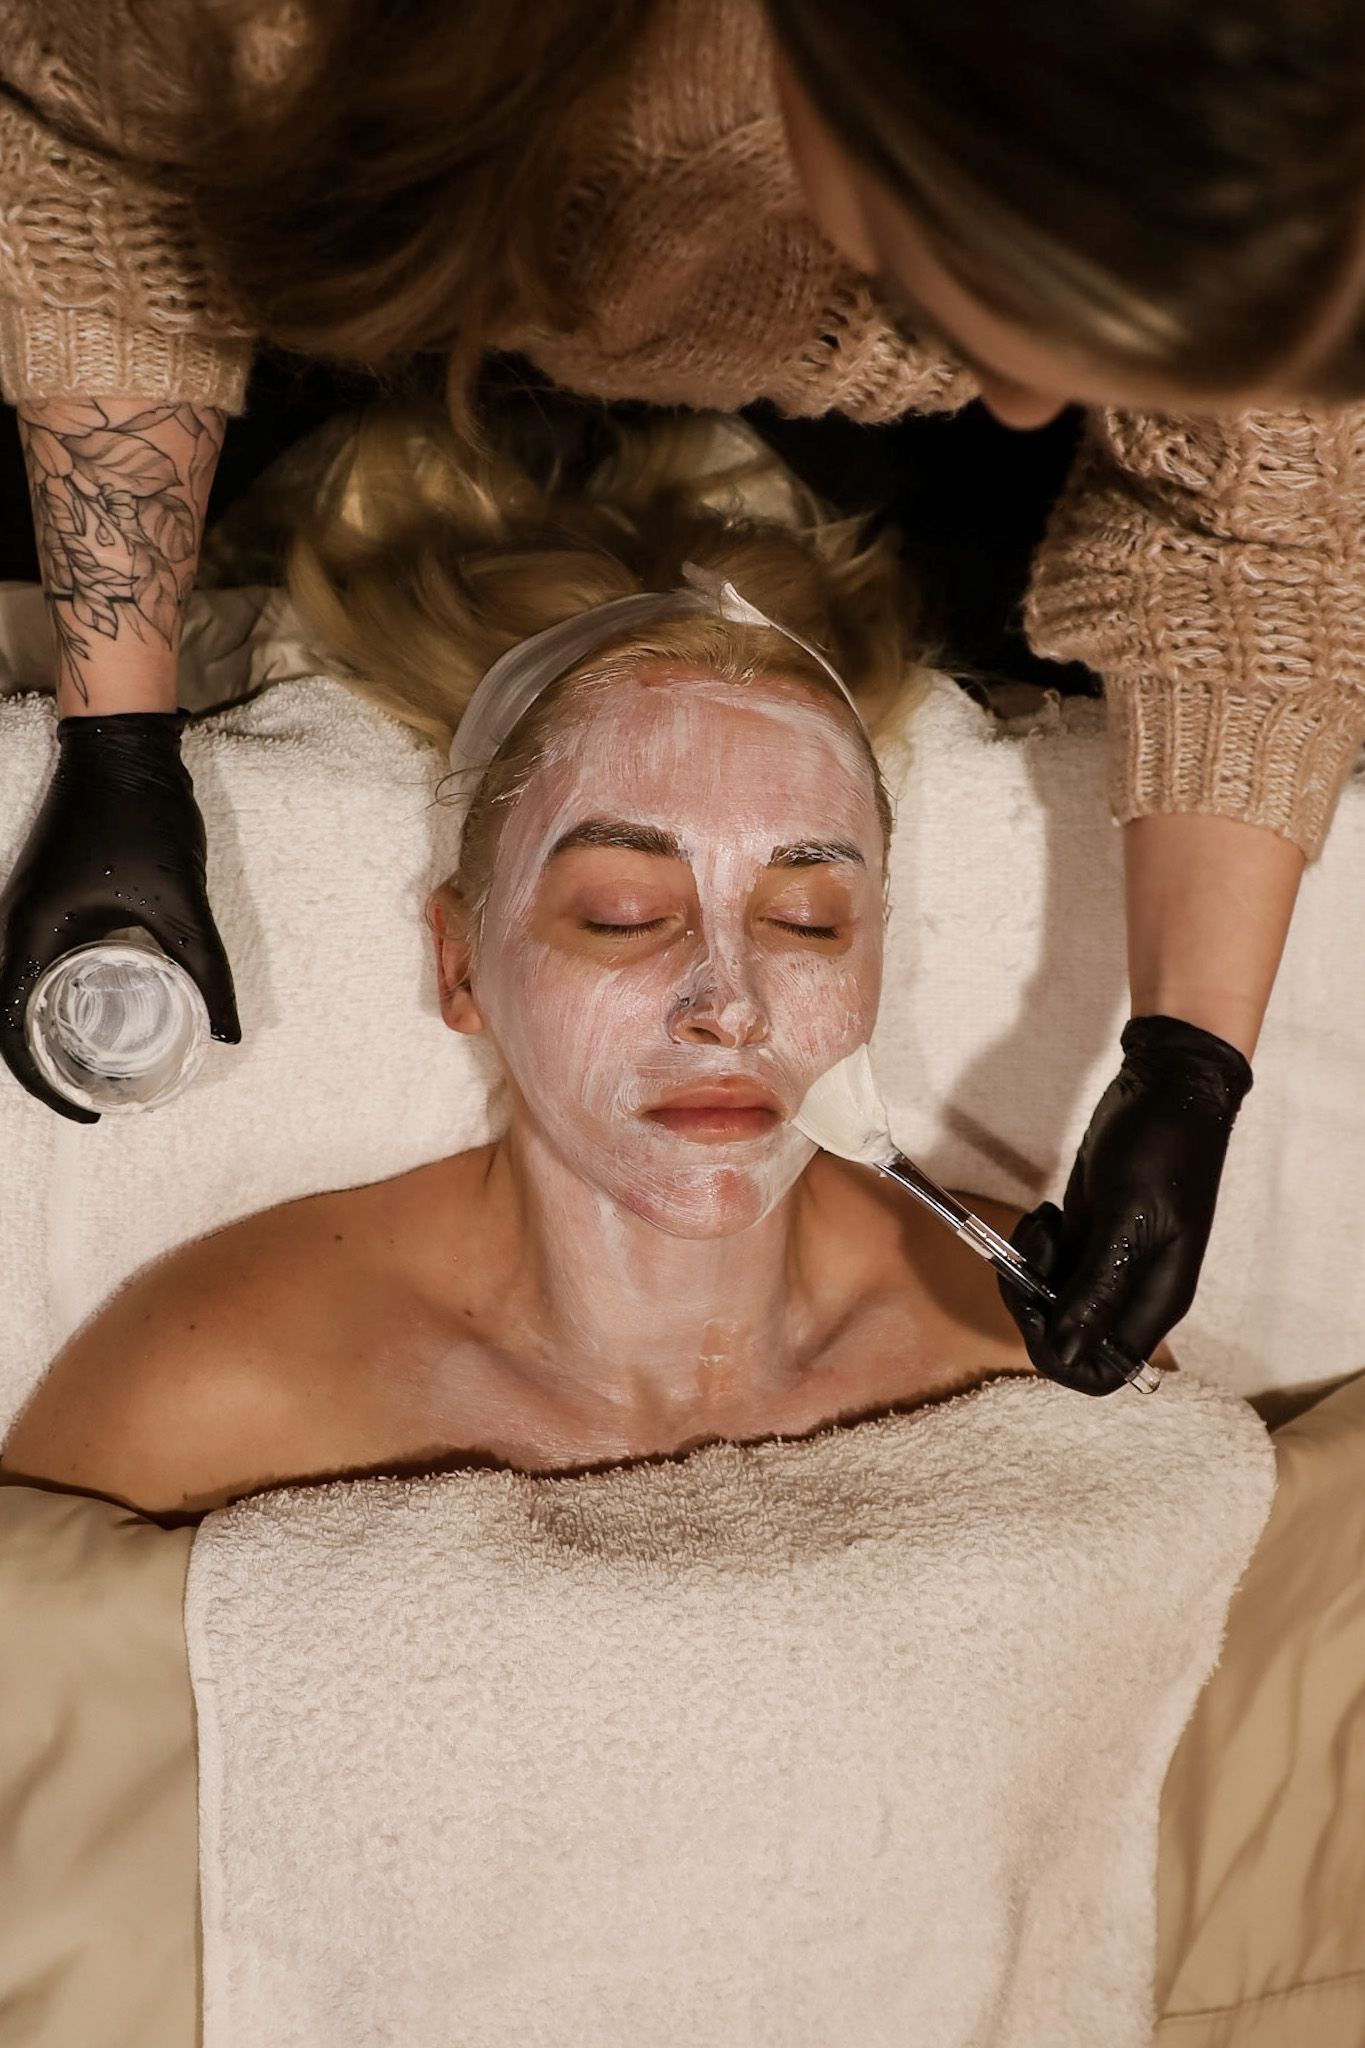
{"x": 428, "y": 556}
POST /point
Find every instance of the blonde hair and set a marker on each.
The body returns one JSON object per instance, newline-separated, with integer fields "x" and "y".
{"x": 428, "y": 556}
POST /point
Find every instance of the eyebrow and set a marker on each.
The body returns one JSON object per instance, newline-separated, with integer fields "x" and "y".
{"x": 650, "y": 839}
{"x": 620, "y": 832}
{"x": 815, "y": 853}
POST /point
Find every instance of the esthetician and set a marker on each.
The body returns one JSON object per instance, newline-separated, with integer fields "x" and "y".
{"x": 1157, "y": 210}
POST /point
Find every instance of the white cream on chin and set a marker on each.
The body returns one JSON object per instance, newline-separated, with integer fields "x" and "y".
{"x": 730, "y": 773}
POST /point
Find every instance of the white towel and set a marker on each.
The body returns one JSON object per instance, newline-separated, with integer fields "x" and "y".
{"x": 323, "y": 841}
{"x": 1003, "y": 999}
{"x": 830, "y": 1744}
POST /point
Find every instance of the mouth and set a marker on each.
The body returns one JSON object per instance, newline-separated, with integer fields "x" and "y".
{"x": 719, "y": 1112}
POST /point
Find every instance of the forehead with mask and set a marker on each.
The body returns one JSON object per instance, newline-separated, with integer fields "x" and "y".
{"x": 681, "y": 928}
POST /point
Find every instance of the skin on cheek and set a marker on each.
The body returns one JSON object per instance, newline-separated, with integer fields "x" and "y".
{"x": 731, "y": 773}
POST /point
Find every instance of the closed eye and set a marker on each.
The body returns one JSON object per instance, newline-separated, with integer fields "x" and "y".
{"x": 625, "y": 931}
{"x": 806, "y": 931}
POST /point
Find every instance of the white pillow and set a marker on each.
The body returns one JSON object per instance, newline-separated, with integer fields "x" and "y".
{"x": 1004, "y": 998}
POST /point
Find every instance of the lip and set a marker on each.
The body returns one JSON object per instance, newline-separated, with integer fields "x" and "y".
{"x": 715, "y": 1112}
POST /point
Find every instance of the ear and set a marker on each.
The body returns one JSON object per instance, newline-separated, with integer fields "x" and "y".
{"x": 448, "y": 922}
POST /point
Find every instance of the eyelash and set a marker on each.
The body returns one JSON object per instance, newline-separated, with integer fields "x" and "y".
{"x": 638, "y": 931}
{"x": 624, "y": 931}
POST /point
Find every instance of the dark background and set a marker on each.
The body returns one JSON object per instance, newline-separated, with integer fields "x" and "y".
{"x": 968, "y": 498}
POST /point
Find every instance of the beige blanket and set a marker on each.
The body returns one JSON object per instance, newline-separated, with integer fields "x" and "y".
{"x": 854, "y": 1740}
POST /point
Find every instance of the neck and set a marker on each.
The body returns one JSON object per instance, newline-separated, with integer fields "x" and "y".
{"x": 665, "y": 1333}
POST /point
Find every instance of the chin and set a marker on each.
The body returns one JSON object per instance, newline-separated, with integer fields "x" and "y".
{"x": 717, "y": 1201}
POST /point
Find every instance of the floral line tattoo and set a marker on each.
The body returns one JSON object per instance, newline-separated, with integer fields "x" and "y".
{"x": 118, "y": 507}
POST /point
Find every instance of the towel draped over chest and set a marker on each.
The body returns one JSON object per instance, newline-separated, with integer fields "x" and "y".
{"x": 855, "y": 1739}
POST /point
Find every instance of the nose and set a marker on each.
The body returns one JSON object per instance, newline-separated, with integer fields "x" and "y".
{"x": 717, "y": 1007}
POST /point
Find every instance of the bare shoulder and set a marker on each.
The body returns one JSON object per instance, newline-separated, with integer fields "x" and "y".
{"x": 938, "y": 1297}
{"x": 191, "y": 1385}
{"x": 936, "y": 1293}
{"x": 966, "y": 1288}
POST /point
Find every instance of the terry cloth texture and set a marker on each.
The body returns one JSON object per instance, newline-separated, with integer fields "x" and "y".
{"x": 858, "y": 1738}
{"x": 1210, "y": 572}
{"x": 1260, "y": 1942}
{"x": 1004, "y": 994}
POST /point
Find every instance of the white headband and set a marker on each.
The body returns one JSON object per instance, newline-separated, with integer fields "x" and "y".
{"x": 508, "y": 690}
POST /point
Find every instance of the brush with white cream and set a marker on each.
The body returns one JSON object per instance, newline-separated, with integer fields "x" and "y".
{"x": 844, "y": 1114}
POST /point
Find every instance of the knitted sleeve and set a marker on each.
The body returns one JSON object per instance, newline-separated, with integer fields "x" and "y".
{"x": 700, "y": 278}
{"x": 1213, "y": 573}
{"x": 104, "y": 289}
{"x": 746, "y": 302}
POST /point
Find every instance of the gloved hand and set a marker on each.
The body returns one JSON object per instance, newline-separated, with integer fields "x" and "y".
{"x": 117, "y": 842}
{"x": 1123, "y": 1253}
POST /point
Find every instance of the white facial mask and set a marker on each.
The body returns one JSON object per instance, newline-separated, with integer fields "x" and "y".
{"x": 731, "y": 773}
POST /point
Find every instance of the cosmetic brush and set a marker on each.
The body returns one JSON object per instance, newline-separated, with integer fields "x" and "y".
{"x": 844, "y": 1114}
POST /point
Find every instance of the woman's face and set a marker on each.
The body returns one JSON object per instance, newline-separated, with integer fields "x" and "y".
{"x": 684, "y": 930}
{"x": 1024, "y": 379}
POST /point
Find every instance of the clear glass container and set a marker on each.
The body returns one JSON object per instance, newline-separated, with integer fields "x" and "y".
{"x": 117, "y": 1026}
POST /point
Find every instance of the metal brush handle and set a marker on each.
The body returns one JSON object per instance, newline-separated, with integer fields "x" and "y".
{"x": 1137, "y": 1372}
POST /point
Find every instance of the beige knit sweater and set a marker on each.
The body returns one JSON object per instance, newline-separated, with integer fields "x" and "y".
{"x": 1211, "y": 572}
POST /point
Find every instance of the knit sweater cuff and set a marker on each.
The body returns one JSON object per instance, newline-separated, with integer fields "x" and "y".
{"x": 856, "y": 364}
{"x": 63, "y": 352}
{"x": 1262, "y": 755}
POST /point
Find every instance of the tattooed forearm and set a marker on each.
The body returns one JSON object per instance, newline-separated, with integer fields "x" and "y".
{"x": 118, "y": 492}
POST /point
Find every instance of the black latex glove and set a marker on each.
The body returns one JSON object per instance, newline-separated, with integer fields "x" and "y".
{"x": 118, "y": 842}
{"x": 1123, "y": 1253}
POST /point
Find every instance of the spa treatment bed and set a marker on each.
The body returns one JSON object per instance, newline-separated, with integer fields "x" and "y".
{"x": 237, "y": 1765}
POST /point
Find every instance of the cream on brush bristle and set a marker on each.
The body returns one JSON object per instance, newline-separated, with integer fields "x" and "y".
{"x": 844, "y": 1114}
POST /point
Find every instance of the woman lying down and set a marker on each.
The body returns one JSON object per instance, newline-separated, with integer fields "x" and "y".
{"x": 907, "y": 1667}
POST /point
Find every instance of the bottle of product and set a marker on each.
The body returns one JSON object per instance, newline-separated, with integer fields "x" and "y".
{"x": 117, "y": 1026}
